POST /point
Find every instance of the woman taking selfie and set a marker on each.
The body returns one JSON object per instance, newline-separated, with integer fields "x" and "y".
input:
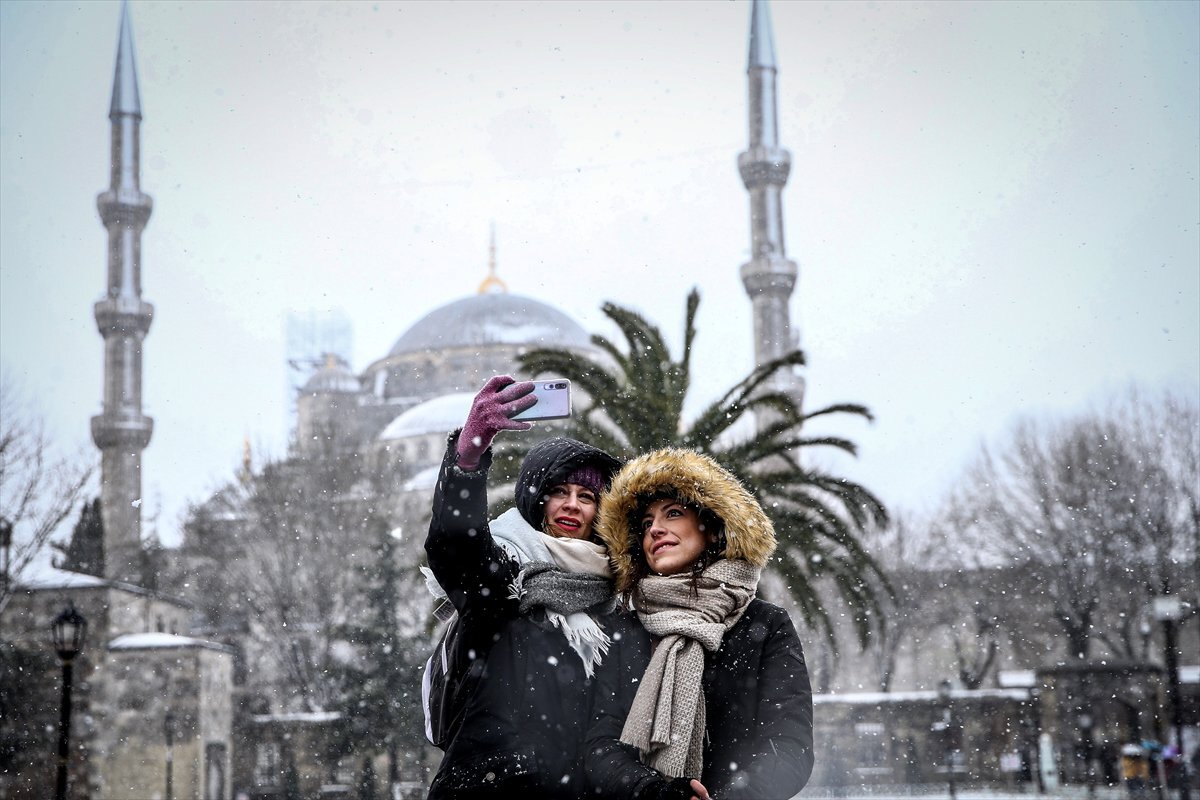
{"x": 534, "y": 597}
{"x": 719, "y": 705}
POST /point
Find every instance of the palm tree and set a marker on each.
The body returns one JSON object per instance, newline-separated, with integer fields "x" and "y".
{"x": 636, "y": 404}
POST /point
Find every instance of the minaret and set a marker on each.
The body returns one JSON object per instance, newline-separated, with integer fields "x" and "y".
{"x": 122, "y": 431}
{"x": 769, "y": 276}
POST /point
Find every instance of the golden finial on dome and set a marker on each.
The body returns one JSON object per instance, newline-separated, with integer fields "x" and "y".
{"x": 491, "y": 283}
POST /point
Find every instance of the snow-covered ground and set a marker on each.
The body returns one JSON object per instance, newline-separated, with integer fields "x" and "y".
{"x": 928, "y": 792}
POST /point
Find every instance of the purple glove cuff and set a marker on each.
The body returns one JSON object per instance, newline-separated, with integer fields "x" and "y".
{"x": 491, "y": 412}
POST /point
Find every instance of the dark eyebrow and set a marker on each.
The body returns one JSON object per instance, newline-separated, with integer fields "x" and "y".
{"x": 670, "y": 504}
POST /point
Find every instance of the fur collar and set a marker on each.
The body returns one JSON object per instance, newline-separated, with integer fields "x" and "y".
{"x": 695, "y": 478}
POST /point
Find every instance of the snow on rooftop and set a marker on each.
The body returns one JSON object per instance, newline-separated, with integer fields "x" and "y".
{"x": 1016, "y": 678}
{"x": 158, "y": 641}
{"x": 41, "y": 575}
{"x": 877, "y": 698}
{"x": 298, "y": 716}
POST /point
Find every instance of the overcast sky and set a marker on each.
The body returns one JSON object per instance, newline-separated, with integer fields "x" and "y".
{"x": 994, "y": 206}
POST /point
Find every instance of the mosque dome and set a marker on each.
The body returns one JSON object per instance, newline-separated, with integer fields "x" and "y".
{"x": 423, "y": 481}
{"x": 439, "y": 415}
{"x": 334, "y": 376}
{"x": 492, "y": 318}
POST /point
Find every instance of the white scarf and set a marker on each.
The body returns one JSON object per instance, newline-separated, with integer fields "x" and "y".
{"x": 526, "y": 544}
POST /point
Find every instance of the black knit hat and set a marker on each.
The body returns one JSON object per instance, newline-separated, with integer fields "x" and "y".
{"x": 559, "y": 460}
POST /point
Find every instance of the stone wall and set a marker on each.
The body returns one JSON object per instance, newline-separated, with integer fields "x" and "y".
{"x": 168, "y": 710}
{"x": 874, "y": 739}
{"x": 1085, "y": 710}
{"x": 119, "y": 695}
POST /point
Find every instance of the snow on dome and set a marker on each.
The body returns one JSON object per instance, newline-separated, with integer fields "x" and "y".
{"x": 439, "y": 415}
{"x": 494, "y": 318}
{"x": 424, "y": 480}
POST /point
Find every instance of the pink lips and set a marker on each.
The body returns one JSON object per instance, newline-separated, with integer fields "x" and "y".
{"x": 654, "y": 550}
{"x": 568, "y": 523}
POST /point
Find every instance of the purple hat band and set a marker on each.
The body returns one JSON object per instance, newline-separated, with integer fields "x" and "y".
{"x": 589, "y": 477}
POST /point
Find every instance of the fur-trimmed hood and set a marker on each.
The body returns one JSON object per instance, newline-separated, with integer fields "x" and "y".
{"x": 693, "y": 478}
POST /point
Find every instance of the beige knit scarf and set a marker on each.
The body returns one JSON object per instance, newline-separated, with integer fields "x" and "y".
{"x": 666, "y": 722}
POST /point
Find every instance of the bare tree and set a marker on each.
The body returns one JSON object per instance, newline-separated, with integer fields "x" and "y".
{"x": 1159, "y": 492}
{"x": 300, "y": 546}
{"x": 908, "y": 550}
{"x": 278, "y": 561}
{"x": 976, "y": 643}
{"x": 1097, "y": 511}
{"x": 38, "y": 487}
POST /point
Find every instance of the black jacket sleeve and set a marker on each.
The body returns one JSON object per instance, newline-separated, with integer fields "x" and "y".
{"x": 467, "y": 562}
{"x": 783, "y": 758}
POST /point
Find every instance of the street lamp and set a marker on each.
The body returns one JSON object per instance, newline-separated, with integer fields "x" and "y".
{"x": 948, "y": 726}
{"x": 67, "y": 632}
{"x": 1168, "y": 609}
{"x": 169, "y": 736}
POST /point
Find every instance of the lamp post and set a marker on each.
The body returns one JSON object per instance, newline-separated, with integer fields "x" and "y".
{"x": 67, "y": 632}
{"x": 948, "y": 727}
{"x": 1035, "y": 698}
{"x": 169, "y": 736}
{"x": 6, "y": 537}
{"x": 1085, "y": 734}
{"x": 1168, "y": 609}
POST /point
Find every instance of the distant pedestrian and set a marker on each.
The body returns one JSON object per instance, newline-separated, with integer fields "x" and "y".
{"x": 1135, "y": 771}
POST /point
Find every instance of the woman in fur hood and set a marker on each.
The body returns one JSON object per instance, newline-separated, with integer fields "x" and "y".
{"x": 712, "y": 697}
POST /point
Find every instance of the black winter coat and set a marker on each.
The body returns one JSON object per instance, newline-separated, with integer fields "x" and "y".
{"x": 523, "y": 728}
{"x": 758, "y": 701}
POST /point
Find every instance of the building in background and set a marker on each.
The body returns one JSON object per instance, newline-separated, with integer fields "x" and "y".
{"x": 202, "y": 688}
{"x": 309, "y": 338}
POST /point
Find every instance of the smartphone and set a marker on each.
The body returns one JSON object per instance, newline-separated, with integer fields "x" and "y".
{"x": 553, "y": 400}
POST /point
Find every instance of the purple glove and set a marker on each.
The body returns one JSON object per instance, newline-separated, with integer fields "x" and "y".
{"x": 491, "y": 412}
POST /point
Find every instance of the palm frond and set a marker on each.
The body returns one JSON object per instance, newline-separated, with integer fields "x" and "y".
{"x": 636, "y": 404}
{"x": 838, "y": 442}
{"x": 841, "y": 408}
